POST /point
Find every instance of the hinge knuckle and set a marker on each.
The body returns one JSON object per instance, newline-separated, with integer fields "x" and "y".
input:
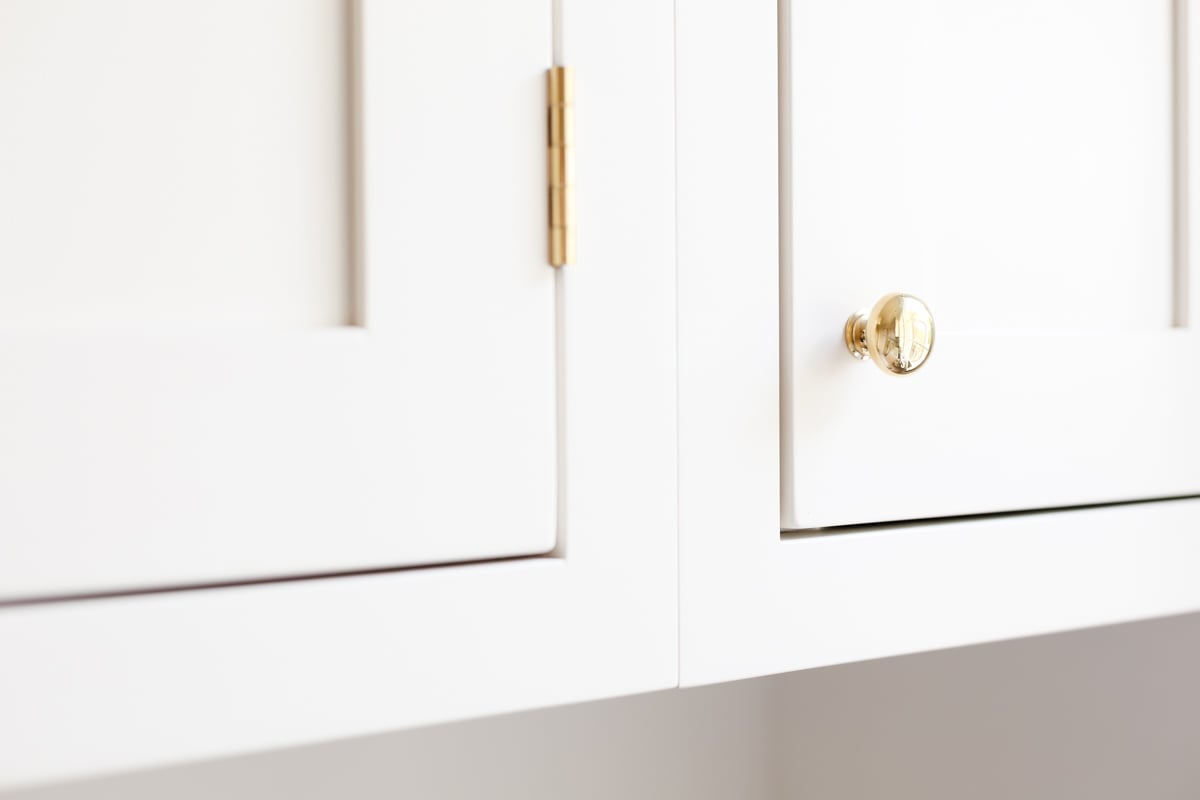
{"x": 560, "y": 91}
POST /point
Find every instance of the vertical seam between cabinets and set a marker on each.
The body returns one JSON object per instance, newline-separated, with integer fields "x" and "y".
{"x": 678, "y": 459}
{"x": 786, "y": 281}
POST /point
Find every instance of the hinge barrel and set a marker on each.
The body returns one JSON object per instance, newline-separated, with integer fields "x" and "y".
{"x": 560, "y": 93}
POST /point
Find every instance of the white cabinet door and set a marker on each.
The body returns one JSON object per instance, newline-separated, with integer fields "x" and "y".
{"x": 274, "y": 294}
{"x": 93, "y": 685}
{"x": 1021, "y": 167}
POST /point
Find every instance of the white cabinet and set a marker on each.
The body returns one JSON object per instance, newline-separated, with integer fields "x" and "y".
{"x": 1024, "y": 168}
{"x": 1020, "y": 168}
{"x": 274, "y": 293}
{"x": 485, "y": 403}
{"x": 301, "y": 341}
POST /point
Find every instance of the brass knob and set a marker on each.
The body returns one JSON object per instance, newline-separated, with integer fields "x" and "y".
{"x": 897, "y": 334}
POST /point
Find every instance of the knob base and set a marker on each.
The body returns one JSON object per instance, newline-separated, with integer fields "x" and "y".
{"x": 856, "y": 335}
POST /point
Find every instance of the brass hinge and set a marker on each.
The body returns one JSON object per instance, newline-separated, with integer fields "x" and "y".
{"x": 560, "y": 97}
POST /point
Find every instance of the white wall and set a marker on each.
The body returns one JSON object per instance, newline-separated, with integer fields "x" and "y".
{"x": 1106, "y": 713}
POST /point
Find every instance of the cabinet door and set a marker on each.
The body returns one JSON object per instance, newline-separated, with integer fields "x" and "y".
{"x": 133, "y": 682}
{"x": 274, "y": 294}
{"x": 1021, "y": 168}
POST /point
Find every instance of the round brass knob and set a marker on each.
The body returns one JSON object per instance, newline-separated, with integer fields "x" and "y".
{"x": 897, "y": 334}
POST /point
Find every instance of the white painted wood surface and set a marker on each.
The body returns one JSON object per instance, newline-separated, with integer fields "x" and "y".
{"x": 1107, "y": 714}
{"x": 753, "y": 603}
{"x": 1013, "y": 166}
{"x": 156, "y": 455}
{"x": 1010, "y": 164}
{"x": 181, "y": 164}
{"x": 96, "y": 686}
{"x": 622, "y": 605}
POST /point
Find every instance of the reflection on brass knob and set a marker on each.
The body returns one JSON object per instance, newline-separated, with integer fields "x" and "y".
{"x": 897, "y": 334}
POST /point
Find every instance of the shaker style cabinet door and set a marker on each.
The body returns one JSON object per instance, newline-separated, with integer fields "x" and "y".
{"x": 419, "y": 422}
{"x": 274, "y": 292}
{"x": 1022, "y": 168}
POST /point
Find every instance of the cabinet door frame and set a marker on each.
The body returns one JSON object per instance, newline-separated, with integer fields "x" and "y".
{"x": 755, "y": 602}
{"x": 106, "y": 684}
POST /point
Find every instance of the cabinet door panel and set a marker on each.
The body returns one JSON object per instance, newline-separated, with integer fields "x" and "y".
{"x": 274, "y": 304}
{"x": 1016, "y": 166}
